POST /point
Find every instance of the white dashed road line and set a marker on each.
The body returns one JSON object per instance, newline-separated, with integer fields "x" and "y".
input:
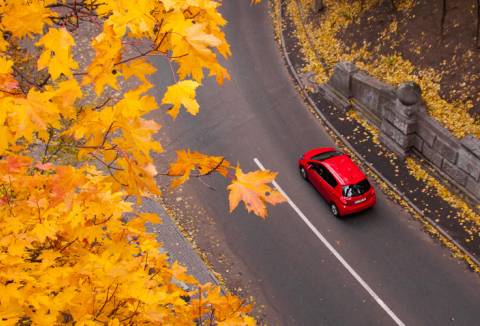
{"x": 335, "y": 252}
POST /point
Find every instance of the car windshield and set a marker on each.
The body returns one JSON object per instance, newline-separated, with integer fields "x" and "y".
{"x": 327, "y": 155}
{"x": 357, "y": 189}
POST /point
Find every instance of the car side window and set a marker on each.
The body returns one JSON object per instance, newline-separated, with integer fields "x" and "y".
{"x": 328, "y": 177}
{"x": 318, "y": 168}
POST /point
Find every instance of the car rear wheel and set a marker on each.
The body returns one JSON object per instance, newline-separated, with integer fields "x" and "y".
{"x": 303, "y": 173}
{"x": 334, "y": 210}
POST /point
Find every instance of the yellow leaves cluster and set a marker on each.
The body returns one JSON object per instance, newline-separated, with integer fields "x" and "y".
{"x": 23, "y": 118}
{"x": 192, "y": 42}
{"x": 72, "y": 247}
{"x": 101, "y": 71}
{"x": 252, "y": 188}
{"x": 25, "y": 18}
{"x": 68, "y": 253}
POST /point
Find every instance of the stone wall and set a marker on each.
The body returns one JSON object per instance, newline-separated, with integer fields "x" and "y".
{"x": 405, "y": 127}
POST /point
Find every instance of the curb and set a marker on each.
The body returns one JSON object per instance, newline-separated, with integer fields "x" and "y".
{"x": 176, "y": 245}
{"x": 392, "y": 187}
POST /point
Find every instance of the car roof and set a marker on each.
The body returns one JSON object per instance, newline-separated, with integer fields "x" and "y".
{"x": 344, "y": 169}
{"x": 317, "y": 151}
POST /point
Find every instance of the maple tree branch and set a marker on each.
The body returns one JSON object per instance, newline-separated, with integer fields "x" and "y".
{"x": 103, "y": 104}
{"x": 50, "y": 135}
{"x": 39, "y": 212}
{"x": 105, "y": 164}
{"x": 54, "y": 153}
{"x": 110, "y": 165}
{"x": 68, "y": 245}
{"x": 102, "y": 222}
{"x": 200, "y": 305}
{"x": 106, "y": 133}
{"x": 240, "y": 305}
{"x": 96, "y": 147}
{"x": 214, "y": 168}
{"x": 11, "y": 93}
{"x": 130, "y": 318}
{"x": 146, "y": 262}
{"x": 45, "y": 81}
{"x": 153, "y": 275}
{"x": 106, "y": 300}
{"x": 29, "y": 81}
{"x": 212, "y": 315}
{"x": 145, "y": 53}
{"x": 159, "y": 31}
{"x": 116, "y": 307}
{"x": 109, "y": 169}
{"x": 8, "y": 199}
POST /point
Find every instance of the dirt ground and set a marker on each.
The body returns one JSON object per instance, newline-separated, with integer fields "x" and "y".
{"x": 416, "y": 34}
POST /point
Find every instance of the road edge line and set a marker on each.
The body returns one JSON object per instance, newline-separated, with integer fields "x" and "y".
{"x": 337, "y": 255}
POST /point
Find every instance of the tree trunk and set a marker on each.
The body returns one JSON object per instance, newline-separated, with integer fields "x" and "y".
{"x": 478, "y": 24}
{"x": 444, "y": 14}
{"x": 393, "y": 5}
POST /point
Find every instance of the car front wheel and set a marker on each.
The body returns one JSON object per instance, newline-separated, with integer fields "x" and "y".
{"x": 334, "y": 210}
{"x": 303, "y": 173}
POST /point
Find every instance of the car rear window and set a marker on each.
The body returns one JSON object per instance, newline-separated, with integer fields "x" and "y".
{"x": 324, "y": 156}
{"x": 356, "y": 189}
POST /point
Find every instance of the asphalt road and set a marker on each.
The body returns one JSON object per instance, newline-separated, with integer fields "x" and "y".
{"x": 259, "y": 114}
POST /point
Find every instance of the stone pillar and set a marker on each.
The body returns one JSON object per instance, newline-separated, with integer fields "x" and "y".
{"x": 469, "y": 161}
{"x": 399, "y": 121}
{"x": 341, "y": 80}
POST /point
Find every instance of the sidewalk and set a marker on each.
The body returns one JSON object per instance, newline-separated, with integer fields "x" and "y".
{"x": 353, "y": 135}
{"x": 174, "y": 243}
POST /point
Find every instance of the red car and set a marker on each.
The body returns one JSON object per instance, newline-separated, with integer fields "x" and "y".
{"x": 340, "y": 182}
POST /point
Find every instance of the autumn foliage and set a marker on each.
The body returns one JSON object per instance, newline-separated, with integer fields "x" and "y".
{"x": 75, "y": 145}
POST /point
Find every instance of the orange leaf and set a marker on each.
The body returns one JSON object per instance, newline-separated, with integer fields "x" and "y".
{"x": 188, "y": 161}
{"x": 252, "y": 189}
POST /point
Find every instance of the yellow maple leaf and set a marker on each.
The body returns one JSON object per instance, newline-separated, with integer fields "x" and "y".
{"x": 24, "y": 18}
{"x": 138, "y": 222}
{"x": 182, "y": 93}
{"x": 132, "y": 15}
{"x": 200, "y": 41}
{"x": 252, "y": 189}
{"x": 179, "y": 272}
{"x": 3, "y": 43}
{"x": 138, "y": 68}
{"x": 7, "y": 81}
{"x": 101, "y": 71}
{"x": 57, "y": 54}
{"x": 46, "y": 229}
{"x": 189, "y": 161}
{"x": 65, "y": 95}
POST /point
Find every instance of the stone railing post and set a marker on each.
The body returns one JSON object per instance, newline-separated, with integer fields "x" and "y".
{"x": 339, "y": 87}
{"x": 341, "y": 79}
{"x": 399, "y": 121}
